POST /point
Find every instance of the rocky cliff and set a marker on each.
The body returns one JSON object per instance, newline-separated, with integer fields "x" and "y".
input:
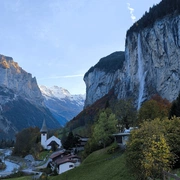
{"x": 21, "y": 101}
{"x": 104, "y": 76}
{"x": 151, "y": 66}
{"x": 15, "y": 78}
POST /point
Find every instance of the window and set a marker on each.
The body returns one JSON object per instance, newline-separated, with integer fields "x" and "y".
{"x": 71, "y": 166}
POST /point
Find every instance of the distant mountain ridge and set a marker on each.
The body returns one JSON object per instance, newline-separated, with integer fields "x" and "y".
{"x": 21, "y": 101}
{"x": 61, "y": 103}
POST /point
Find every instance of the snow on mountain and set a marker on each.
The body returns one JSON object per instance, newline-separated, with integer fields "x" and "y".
{"x": 61, "y": 103}
{"x": 55, "y": 92}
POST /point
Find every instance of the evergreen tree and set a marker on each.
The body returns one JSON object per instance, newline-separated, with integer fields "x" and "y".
{"x": 104, "y": 128}
{"x": 164, "y": 8}
{"x": 71, "y": 141}
{"x": 175, "y": 108}
{"x": 125, "y": 113}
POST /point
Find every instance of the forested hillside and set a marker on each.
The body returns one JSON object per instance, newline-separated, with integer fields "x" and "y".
{"x": 110, "y": 63}
{"x": 165, "y": 7}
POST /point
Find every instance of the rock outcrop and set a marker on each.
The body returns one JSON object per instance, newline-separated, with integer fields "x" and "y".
{"x": 151, "y": 66}
{"x": 21, "y": 101}
{"x": 104, "y": 76}
{"x": 15, "y": 78}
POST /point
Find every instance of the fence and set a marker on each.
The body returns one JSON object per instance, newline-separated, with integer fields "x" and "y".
{"x": 169, "y": 176}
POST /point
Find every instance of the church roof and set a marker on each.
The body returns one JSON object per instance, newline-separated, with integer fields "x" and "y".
{"x": 44, "y": 128}
{"x": 52, "y": 142}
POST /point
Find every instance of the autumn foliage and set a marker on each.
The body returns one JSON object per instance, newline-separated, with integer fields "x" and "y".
{"x": 156, "y": 107}
{"x": 153, "y": 148}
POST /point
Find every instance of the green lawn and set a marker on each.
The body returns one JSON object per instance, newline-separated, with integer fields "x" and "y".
{"x": 99, "y": 165}
{"x": 44, "y": 154}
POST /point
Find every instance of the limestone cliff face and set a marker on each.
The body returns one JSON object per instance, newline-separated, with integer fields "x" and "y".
{"x": 21, "y": 101}
{"x": 104, "y": 76}
{"x": 153, "y": 60}
{"x": 15, "y": 78}
{"x": 99, "y": 83}
{"x": 152, "y": 65}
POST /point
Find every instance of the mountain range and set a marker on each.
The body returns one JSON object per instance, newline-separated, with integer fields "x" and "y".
{"x": 22, "y": 104}
{"x": 61, "y": 103}
{"x": 21, "y": 101}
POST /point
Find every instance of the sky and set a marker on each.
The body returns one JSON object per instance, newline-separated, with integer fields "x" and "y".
{"x": 57, "y": 41}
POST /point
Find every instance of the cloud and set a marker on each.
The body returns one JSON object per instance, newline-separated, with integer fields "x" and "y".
{"x": 131, "y": 10}
{"x": 61, "y": 77}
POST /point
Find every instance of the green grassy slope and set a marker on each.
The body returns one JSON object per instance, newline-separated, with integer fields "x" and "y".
{"x": 99, "y": 165}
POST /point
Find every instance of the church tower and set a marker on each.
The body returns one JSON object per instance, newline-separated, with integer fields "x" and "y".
{"x": 44, "y": 135}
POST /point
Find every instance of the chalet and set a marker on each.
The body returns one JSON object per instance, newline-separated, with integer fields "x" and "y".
{"x": 57, "y": 155}
{"x": 122, "y": 137}
{"x": 62, "y": 162}
{"x": 47, "y": 143}
{"x": 82, "y": 142}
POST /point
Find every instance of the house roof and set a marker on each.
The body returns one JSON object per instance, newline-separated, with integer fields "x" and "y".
{"x": 56, "y": 154}
{"x": 53, "y": 142}
{"x": 77, "y": 135}
{"x": 65, "y": 159}
{"x": 121, "y": 134}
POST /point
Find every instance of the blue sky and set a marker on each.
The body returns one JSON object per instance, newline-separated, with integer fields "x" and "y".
{"x": 57, "y": 41}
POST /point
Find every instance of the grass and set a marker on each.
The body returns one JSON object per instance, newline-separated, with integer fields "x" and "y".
{"x": 43, "y": 155}
{"x": 97, "y": 166}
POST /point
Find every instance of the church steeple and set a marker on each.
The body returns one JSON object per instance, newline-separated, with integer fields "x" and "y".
{"x": 44, "y": 135}
{"x": 44, "y": 128}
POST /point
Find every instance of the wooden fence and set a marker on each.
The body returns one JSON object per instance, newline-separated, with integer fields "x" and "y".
{"x": 169, "y": 176}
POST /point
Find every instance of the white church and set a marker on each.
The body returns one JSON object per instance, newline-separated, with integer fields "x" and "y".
{"x": 47, "y": 143}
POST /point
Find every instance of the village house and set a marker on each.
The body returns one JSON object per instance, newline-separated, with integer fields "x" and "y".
{"x": 82, "y": 142}
{"x": 48, "y": 142}
{"x": 62, "y": 162}
{"x": 122, "y": 137}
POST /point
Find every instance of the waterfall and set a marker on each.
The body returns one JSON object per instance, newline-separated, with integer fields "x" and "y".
{"x": 141, "y": 74}
{"x": 128, "y": 61}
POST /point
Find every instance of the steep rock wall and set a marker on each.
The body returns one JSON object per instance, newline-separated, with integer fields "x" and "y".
{"x": 15, "y": 78}
{"x": 152, "y": 65}
{"x": 154, "y": 60}
{"x": 21, "y": 101}
{"x": 102, "y": 77}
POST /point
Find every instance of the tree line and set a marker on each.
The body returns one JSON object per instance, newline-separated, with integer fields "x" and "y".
{"x": 110, "y": 63}
{"x": 164, "y": 8}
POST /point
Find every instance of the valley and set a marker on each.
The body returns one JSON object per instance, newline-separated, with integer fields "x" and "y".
{"x": 127, "y": 124}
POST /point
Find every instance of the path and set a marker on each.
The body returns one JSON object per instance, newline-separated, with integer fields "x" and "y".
{"x": 11, "y": 167}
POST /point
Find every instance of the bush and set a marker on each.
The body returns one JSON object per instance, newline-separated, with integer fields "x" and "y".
{"x": 113, "y": 148}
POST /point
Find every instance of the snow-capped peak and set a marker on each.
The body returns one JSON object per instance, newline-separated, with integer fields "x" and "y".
{"x": 61, "y": 93}
{"x": 55, "y": 91}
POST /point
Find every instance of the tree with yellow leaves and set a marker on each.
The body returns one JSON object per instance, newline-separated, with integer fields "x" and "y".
{"x": 157, "y": 156}
{"x": 149, "y": 149}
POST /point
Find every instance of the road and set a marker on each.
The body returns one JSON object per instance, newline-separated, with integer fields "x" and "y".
{"x": 10, "y": 166}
